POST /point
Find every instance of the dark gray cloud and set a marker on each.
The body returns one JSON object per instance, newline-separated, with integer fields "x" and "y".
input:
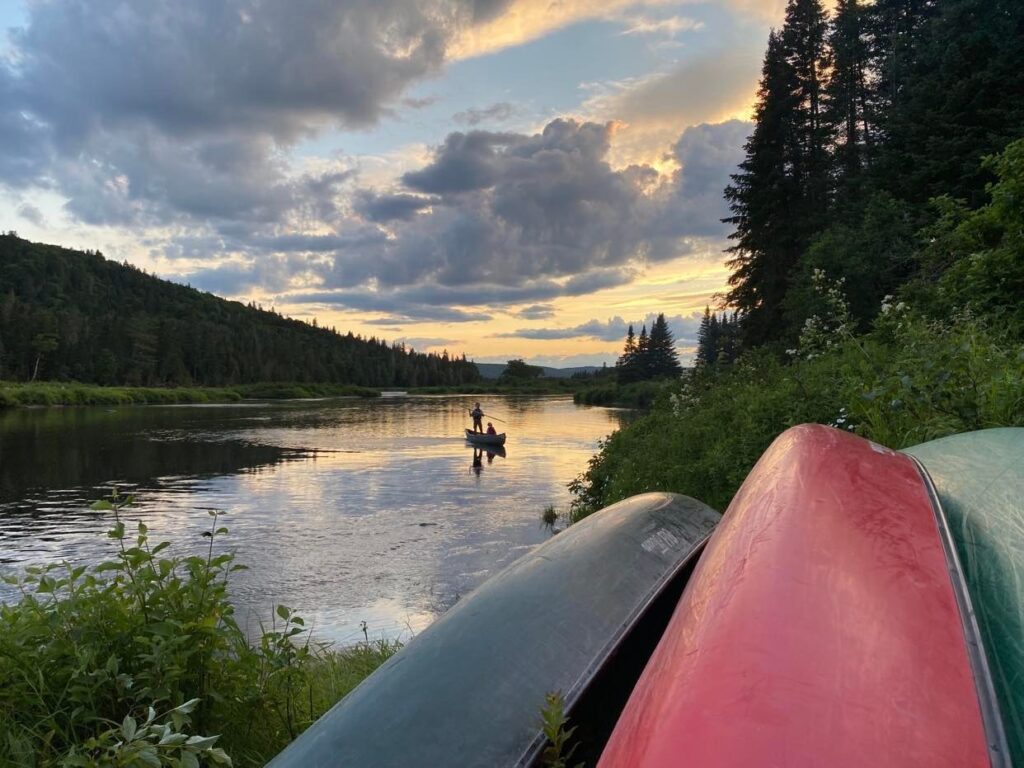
{"x": 706, "y": 154}
{"x": 684, "y": 329}
{"x": 536, "y": 312}
{"x": 512, "y": 209}
{"x": 31, "y": 214}
{"x": 394, "y": 207}
{"x": 497, "y": 112}
{"x": 178, "y": 111}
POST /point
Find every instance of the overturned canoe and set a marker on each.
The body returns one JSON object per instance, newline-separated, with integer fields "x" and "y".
{"x": 980, "y": 481}
{"x": 484, "y": 439}
{"x": 821, "y": 627}
{"x": 468, "y": 690}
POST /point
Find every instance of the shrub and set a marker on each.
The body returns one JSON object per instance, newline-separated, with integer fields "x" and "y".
{"x": 89, "y": 654}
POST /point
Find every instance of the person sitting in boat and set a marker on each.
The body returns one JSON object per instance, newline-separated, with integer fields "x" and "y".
{"x": 490, "y": 429}
{"x": 478, "y": 418}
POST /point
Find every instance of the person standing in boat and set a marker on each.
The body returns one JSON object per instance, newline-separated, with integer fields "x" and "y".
{"x": 478, "y": 418}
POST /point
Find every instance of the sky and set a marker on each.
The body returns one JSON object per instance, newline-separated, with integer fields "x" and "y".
{"x": 500, "y": 178}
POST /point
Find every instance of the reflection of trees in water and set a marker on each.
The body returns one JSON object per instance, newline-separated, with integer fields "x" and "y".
{"x": 73, "y": 448}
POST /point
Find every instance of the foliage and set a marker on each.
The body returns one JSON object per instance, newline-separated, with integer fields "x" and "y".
{"x": 718, "y": 338}
{"x": 649, "y": 357}
{"x": 639, "y": 394}
{"x": 910, "y": 380}
{"x": 88, "y": 656}
{"x": 71, "y": 393}
{"x": 517, "y": 370}
{"x": 68, "y": 315}
{"x": 894, "y": 108}
{"x": 983, "y": 251}
{"x": 553, "y": 720}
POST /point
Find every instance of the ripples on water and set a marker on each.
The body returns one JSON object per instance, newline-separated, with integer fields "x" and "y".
{"x": 345, "y": 510}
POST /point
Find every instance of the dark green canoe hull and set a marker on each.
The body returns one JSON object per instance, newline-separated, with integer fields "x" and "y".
{"x": 468, "y": 691}
{"x": 979, "y": 477}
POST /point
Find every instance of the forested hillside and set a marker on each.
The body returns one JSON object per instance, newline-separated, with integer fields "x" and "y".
{"x": 878, "y": 250}
{"x": 68, "y": 315}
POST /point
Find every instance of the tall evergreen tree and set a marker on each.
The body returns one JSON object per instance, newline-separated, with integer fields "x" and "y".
{"x": 960, "y": 99}
{"x": 897, "y": 28}
{"x": 804, "y": 43}
{"x": 763, "y": 198}
{"x": 664, "y": 360}
{"x": 705, "y": 348}
{"x": 626, "y": 367}
{"x": 846, "y": 94}
{"x": 643, "y": 354}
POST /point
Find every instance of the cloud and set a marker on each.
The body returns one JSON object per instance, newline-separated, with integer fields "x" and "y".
{"x": 671, "y": 26}
{"x": 536, "y": 312}
{"x": 31, "y": 214}
{"x": 395, "y": 207}
{"x": 498, "y": 112}
{"x": 427, "y": 342}
{"x": 684, "y": 329}
{"x": 705, "y": 156}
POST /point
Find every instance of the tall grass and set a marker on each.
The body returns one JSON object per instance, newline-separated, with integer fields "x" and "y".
{"x": 140, "y": 658}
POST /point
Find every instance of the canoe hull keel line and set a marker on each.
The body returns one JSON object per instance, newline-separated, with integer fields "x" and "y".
{"x": 820, "y": 628}
{"x": 469, "y": 689}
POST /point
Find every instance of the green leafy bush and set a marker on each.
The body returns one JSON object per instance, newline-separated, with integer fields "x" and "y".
{"x": 87, "y": 654}
{"x": 911, "y": 380}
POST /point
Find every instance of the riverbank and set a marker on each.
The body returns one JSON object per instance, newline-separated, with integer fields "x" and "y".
{"x": 53, "y": 393}
{"x": 102, "y": 665}
{"x": 912, "y": 379}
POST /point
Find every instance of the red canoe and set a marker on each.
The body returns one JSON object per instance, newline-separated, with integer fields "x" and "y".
{"x": 821, "y": 628}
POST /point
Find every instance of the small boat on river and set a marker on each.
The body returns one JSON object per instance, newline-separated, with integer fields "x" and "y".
{"x": 483, "y": 438}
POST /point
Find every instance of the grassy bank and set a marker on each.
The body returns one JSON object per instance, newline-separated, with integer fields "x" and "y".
{"x": 912, "y": 379}
{"x": 43, "y": 393}
{"x": 639, "y": 394}
{"x": 129, "y": 661}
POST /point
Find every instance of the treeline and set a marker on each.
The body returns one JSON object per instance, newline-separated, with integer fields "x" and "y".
{"x": 69, "y": 315}
{"x": 648, "y": 356}
{"x": 871, "y": 127}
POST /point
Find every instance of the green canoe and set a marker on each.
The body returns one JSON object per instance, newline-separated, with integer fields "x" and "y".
{"x": 580, "y": 614}
{"x": 979, "y": 477}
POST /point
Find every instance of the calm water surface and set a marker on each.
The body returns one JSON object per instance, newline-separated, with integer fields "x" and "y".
{"x": 346, "y": 510}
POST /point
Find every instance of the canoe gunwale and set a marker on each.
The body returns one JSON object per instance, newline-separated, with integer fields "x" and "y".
{"x": 572, "y": 697}
{"x": 483, "y": 438}
{"x": 988, "y": 702}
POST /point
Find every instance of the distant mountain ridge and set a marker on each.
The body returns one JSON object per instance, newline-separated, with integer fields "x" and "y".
{"x": 494, "y": 370}
{"x": 73, "y": 315}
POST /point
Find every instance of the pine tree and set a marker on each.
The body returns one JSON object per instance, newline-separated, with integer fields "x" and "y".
{"x": 960, "y": 98}
{"x": 763, "y": 197}
{"x": 664, "y": 360}
{"x": 643, "y": 355}
{"x": 846, "y": 94}
{"x": 705, "y": 350}
{"x": 804, "y": 43}
{"x": 626, "y": 366}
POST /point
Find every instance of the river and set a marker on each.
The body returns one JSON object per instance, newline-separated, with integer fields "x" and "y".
{"x": 345, "y": 510}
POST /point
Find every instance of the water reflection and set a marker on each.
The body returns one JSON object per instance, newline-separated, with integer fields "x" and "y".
{"x": 346, "y": 510}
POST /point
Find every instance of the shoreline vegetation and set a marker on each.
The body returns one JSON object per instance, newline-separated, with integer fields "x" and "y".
{"x": 139, "y": 661}
{"x": 53, "y": 393}
{"x": 602, "y": 391}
